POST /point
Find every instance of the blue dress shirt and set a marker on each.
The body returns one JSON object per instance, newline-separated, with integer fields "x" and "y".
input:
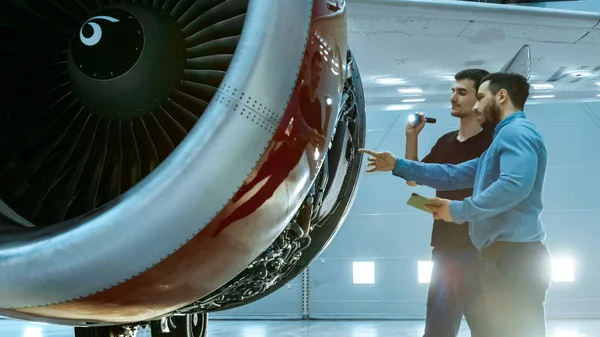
{"x": 507, "y": 182}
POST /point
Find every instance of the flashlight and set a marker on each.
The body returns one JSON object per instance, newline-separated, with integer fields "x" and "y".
{"x": 415, "y": 119}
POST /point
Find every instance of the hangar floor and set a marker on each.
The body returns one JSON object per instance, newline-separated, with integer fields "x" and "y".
{"x": 317, "y": 328}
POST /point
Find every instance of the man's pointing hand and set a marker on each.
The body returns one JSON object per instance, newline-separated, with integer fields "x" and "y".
{"x": 380, "y": 161}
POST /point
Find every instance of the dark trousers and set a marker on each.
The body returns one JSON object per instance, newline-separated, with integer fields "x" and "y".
{"x": 454, "y": 292}
{"x": 515, "y": 279}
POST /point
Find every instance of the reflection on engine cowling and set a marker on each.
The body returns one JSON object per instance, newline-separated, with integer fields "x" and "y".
{"x": 327, "y": 79}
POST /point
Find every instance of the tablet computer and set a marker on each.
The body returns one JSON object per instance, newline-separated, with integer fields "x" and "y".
{"x": 419, "y": 201}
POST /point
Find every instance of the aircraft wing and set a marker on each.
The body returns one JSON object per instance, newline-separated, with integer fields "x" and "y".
{"x": 423, "y": 43}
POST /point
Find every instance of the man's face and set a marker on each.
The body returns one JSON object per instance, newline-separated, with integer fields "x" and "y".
{"x": 463, "y": 98}
{"x": 487, "y": 107}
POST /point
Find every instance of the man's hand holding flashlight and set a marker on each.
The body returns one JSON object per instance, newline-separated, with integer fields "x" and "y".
{"x": 412, "y": 128}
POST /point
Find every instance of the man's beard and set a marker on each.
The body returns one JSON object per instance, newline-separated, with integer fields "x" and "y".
{"x": 492, "y": 115}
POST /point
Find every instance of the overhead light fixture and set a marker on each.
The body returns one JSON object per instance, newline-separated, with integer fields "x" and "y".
{"x": 542, "y": 96}
{"x": 413, "y": 100}
{"x": 410, "y": 91}
{"x": 563, "y": 270}
{"x": 542, "y": 86}
{"x": 33, "y": 332}
{"x": 389, "y": 80}
{"x": 425, "y": 268}
{"x": 398, "y": 107}
{"x": 363, "y": 272}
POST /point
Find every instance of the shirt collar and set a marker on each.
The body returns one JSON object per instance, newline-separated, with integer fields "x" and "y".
{"x": 508, "y": 120}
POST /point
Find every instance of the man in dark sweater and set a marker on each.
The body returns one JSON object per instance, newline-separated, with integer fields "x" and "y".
{"x": 454, "y": 289}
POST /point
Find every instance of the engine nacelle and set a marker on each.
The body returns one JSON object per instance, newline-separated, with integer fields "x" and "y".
{"x": 162, "y": 156}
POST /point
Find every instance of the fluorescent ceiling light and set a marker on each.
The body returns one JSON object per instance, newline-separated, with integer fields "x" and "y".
{"x": 542, "y": 86}
{"x": 389, "y": 80}
{"x": 410, "y": 91}
{"x": 424, "y": 271}
{"x": 364, "y": 272}
{"x": 413, "y": 100}
{"x": 398, "y": 107}
{"x": 563, "y": 270}
{"x": 33, "y": 332}
{"x": 542, "y": 96}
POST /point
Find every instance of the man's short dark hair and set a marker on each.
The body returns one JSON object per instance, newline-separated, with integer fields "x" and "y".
{"x": 515, "y": 84}
{"x": 476, "y": 75}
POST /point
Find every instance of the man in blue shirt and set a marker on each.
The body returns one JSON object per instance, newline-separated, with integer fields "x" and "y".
{"x": 504, "y": 211}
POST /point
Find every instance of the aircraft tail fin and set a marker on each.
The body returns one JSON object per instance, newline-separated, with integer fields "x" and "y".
{"x": 520, "y": 63}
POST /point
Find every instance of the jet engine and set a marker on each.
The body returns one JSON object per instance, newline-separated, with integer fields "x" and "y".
{"x": 163, "y": 159}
